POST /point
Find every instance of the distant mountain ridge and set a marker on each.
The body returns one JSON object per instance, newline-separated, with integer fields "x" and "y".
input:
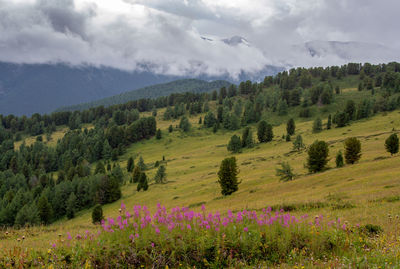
{"x": 42, "y": 88}
{"x": 154, "y": 91}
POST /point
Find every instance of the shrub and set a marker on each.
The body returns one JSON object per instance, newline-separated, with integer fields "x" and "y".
{"x": 161, "y": 175}
{"x": 352, "y": 150}
{"x": 392, "y": 144}
{"x": 184, "y": 124}
{"x": 130, "y": 165}
{"x": 285, "y": 173}
{"x": 97, "y": 214}
{"x": 317, "y": 156}
{"x": 298, "y": 143}
{"x": 158, "y": 134}
{"x": 227, "y": 174}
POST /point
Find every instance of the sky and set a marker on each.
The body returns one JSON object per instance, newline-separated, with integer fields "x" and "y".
{"x": 166, "y": 35}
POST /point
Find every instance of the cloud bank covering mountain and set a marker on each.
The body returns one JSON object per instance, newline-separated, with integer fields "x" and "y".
{"x": 198, "y": 37}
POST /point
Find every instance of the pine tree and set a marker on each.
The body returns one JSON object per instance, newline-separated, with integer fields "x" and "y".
{"x": 290, "y": 127}
{"x": 317, "y": 156}
{"x": 97, "y": 214}
{"x": 392, "y": 144}
{"x": 263, "y": 132}
{"x": 136, "y": 174}
{"x": 235, "y": 144}
{"x": 298, "y": 143}
{"x": 352, "y": 150}
{"x": 317, "y": 125}
{"x": 184, "y": 124}
{"x": 227, "y": 174}
{"x": 107, "y": 150}
{"x": 99, "y": 168}
{"x": 339, "y": 159}
{"x": 130, "y": 165}
{"x": 329, "y": 123}
{"x": 158, "y": 134}
{"x": 71, "y": 206}
{"x": 285, "y": 173}
{"x": 44, "y": 210}
{"x": 143, "y": 185}
{"x": 141, "y": 164}
{"x": 170, "y": 129}
{"x": 161, "y": 175}
{"x": 247, "y": 138}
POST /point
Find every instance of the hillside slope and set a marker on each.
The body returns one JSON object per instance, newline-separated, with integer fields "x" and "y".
{"x": 154, "y": 91}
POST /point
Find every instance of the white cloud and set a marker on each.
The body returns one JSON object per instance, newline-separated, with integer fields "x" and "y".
{"x": 166, "y": 34}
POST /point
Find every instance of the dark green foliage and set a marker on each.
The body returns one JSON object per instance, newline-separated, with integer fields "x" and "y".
{"x": 288, "y": 138}
{"x": 352, "y": 150}
{"x": 97, "y": 214}
{"x": 339, "y": 159}
{"x": 209, "y": 119}
{"x": 184, "y": 124}
{"x": 130, "y": 165}
{"x": 108, "y": 190}
{"x": 71, "y": 206}
{"x": 290, "y": 127}
{"x": 298, "y": 143}
{"x": 341, "y": 119}
{"x": 161, "y": 175}
{"x": 45, "y": 210}
{"x": 371, "y": 229}
{"x": 235, "y": 144}
{"x": 350, "y": 109}
{"x": 200, "y": 120}
{"x": 329, "y": 123}
{"x": 136, "y": 174}
{"x": 143, "y": 184}
{"x": 264, "y": 132}
{"x": 282, "y": 107}
{"x": 305, "y": 113}
{"x": 317, "y": 125}
{"x": 227, "y": 175}
{"x": 27, "y": 215}
{"x": 317, "y": 156}
{"x": 285, "y": 173}
{"x": 170, "y": 129}
{"x": 158, "y": 134}
{"x": 247, "y": 138}
{"x": 141, "y": 164}
{"x": 392, "y": 144}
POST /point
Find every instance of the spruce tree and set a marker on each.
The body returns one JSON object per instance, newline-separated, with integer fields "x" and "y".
{"x": 392, "y": 144}
{"x": 247, "y": 138}
{"x": 44, "y": 210}
{"x": 339, "y": 159}
{"x": 136, "y": 174}
{"x": 298, "y": 143}
{"x": 184, "y": 124}
{"x": 285, "y": 173}
{"x": 317, "y": 125}
{"x": 317, "y": 156}
{"x": 262, "y": 132}
{"x": 352, "y": 150}
{"x": 235, "y": 144}
{"x": 158, "y": 134}
{"x": 143, "y": 185}
{"x": 290, "y": 127}
{"x": 141, "y": 164}
{"x": 161, "y": 175}
{"x": 130, "y": 165}
{"x": 227, "y": 175}
{"x": 329, "y": 123}
{"x": 71, "y": 206}
{"x": 97, "y": 214}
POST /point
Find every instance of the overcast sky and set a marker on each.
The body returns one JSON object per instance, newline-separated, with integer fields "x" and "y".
{"x": 165, "y": 35}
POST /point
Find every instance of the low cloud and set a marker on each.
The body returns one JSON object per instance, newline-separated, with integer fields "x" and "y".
{"x": 166, "y": 35}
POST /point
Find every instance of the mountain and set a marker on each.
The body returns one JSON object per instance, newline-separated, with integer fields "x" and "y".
{"x": 165, "y": 89}
{"x": 42, "y": 88}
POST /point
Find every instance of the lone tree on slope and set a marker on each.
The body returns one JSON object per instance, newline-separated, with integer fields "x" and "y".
{"x": 227, "y": 174}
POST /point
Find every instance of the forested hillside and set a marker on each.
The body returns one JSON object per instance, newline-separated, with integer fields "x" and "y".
{"x": 154, "y": 91}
